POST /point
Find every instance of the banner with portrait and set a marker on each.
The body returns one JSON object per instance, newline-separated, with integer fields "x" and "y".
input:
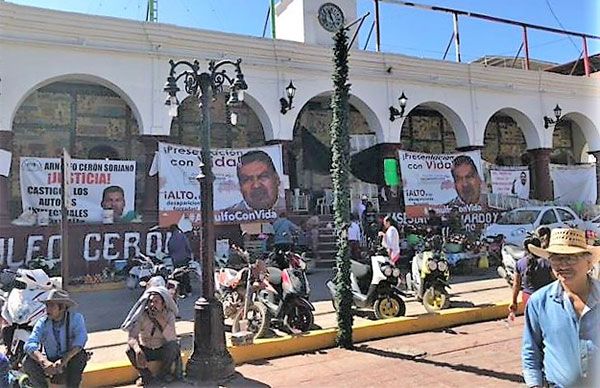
{"x": 510, "y": 181}
{"x": 93, "y": 186}
{"x": 248, "y": 186}
{"x": 445, "y": 181}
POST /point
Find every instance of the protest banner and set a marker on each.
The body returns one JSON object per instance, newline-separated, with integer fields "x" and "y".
{"x": 93, "y": 186}
{"x": 92, "y": 249}
{"x": 510, "y": 181}
{"x": 258, "y": 197}
{"x": 573, "y": 184}
{"x": 429, "y": 183}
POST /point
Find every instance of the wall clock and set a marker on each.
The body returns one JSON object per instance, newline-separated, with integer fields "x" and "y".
{"x": 331, "y": 17}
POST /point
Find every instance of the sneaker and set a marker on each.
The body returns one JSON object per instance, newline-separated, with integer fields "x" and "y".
{"x": 139, "y": 382}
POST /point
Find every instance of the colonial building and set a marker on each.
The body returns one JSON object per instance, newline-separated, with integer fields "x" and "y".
{"x": 95, "y": 86}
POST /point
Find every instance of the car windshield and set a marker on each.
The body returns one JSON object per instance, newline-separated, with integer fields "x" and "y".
{"x": 519, "y": 217}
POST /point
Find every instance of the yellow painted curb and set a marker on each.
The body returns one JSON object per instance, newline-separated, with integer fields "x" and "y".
{"x": 121, "y": 372}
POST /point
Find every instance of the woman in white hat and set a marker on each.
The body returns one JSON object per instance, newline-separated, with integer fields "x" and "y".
{"x": 561, "y": 336}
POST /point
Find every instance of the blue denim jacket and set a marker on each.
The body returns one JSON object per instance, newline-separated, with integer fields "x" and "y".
{"x": 557, "y": 345}
{"x": 42, "y": 335}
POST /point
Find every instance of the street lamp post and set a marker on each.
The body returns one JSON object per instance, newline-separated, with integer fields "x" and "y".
{"x": 210, "y": 360}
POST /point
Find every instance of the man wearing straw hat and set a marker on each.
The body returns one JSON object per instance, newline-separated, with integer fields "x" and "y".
{"x": 62, "y": 335}
{"x": 561, "y": 336}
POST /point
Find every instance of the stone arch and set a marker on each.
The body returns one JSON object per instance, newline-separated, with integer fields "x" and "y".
{"x": 309, "y": 152}
{"x": 447, "y": 141}
{"x": 261, "y": 113}
{"x": 513, "y": 133}
{"x": 248, "y": 132}
{"x": 82, "y": 77}
{"x": 587, "y": 127}
{"x": 459, "y": 128}
{"x": 528, "y": 128}
{"x": 359, "y": 104}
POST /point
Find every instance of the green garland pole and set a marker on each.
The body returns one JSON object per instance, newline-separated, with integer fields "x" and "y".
{"x": 340, "y": 146}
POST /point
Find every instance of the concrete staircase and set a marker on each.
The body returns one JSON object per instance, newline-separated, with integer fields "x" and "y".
{"x": 327, "y": 248}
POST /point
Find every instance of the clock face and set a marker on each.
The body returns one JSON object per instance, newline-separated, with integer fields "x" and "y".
{"x": 331, "y": 17}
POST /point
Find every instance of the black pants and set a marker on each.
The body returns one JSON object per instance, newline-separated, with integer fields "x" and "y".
{"x": 72, "y": 373}
{"x": 169, "y": 354}
{"x": 184, "y": 281}
{"x": 185, "y": 286}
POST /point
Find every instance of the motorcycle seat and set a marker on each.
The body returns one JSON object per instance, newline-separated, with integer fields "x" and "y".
{"x": 515, "y": 251}
{"x": 359, "y": 270}
{"x": 274, "y": 276}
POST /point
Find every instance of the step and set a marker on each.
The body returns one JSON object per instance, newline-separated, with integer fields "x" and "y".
{"x": 326, "y": 246}
{"x": 327, "y": 231}
{"x": 325, "y": 263}
{"x": 327, "y": 253}
{"x": 327, "y": 238}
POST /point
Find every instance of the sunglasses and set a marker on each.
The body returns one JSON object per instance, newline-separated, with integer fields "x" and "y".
{"x": 567, "y": 260}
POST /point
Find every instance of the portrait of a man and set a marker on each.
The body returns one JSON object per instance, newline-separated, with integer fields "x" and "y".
{"x": 467, "y": 182}
{"x": 113, "y": 197}
{"x": 258, "y": 180}
{"x": 520, "y": 188}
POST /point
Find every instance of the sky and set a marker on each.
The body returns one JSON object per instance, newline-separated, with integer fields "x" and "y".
{"x": 404, "y": 30}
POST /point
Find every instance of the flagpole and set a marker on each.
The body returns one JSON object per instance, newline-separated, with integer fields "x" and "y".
{"x": 64, "y": 223}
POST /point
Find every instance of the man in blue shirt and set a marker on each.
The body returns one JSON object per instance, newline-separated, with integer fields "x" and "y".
{"x": 561, "y": 337}
{"x": 284, "y": 230}
{"x": 64, "y": 358}
{"x": 181, "y": 253}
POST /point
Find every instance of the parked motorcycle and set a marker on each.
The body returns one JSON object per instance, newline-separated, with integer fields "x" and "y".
{"x": 234, "y": 287}
{"x": 23, "y": 308}
{"x": 285, "y": 297}
{"x": 374, "y": 286}
{"x": 145, "y": 268}
{"x": 280, "y": 258}
{"x": 430, "y": 275}
{"x": 160, "y": 266}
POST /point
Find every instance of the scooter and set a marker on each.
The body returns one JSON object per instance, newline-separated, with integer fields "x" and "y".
{"x": 429, "y": 276}
{"x": 23, "y": 308}
{"x": 510, "y": 255}
{"x": 373, "y": 286}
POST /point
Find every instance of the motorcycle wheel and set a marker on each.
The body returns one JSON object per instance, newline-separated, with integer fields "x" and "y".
{"x": 301, "y": 318}
{"x": 389, "y": 306}
{"x": 435, "y": 299}
{"x": 258, "y": 318}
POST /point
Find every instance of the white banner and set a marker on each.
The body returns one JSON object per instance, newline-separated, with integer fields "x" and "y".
{"x": 511, "y": 181}
{"x": 5, "y": 161}
{"x": 94, "y": 185}
{"x": 445, "y": 181}
{"x": 253, "y": 192}
{"x": 574, "y": 183}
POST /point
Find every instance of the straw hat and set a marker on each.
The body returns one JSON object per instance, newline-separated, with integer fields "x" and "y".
{"x": 566, "y": 242}
{"x": 60, "y": 296}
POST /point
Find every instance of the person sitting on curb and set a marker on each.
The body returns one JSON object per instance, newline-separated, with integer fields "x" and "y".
{"x": 152, "y": 336}
{"x": 62, "y": 335}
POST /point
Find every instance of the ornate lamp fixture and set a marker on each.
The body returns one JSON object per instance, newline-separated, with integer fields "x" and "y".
{"x": 398, "y": 113}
